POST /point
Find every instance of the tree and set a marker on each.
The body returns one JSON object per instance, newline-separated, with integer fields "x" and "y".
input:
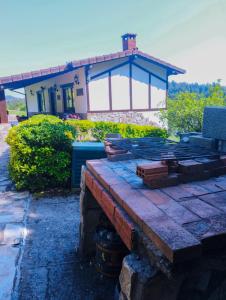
{"x": 185, "y": 111}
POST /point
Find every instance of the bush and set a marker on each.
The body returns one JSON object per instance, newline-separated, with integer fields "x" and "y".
{"x": 40, "y": 154}
{"x": 98, "y": 130}
{"x": 185, "y": 112}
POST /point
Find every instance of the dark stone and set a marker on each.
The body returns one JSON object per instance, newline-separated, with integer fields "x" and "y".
{"x": 214, "y": 125}
{"x": 197, "y": 140}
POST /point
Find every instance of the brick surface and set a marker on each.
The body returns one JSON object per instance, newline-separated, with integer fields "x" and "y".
{"x": 176, "y": 192}
{"x": 170, "y": 207}
{"x": 217, "y": 200}
{"x": 156, "y": 196}
{"x": 210, "y": 232}
{"x": 152, "y": 168}
{"x": 176, "y": 243}
{"x": 195, "y": 189}
{"x": 178, "y": 213}
{"x": 209, "y": 185}
{"x": 123, "y": 226}
{"x": 209, "y": 164}
{"x": 221, "y": 182}
{"x": 196, "y": 176}
{"x": 139, "y": 209}
{"x": 122, "y": 191}
{"x": 180, "y": 220}
{"x": 162, "y": 182}
{"x": 89, "y": 180}
{"x": 201, "y": 208}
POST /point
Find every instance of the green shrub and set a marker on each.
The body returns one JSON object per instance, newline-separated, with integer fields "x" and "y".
{"x": 98, "y": 130}
{"x": 83, "y": 128}
{"x": 40, "y": 154}
{"x": 185, "y": 112}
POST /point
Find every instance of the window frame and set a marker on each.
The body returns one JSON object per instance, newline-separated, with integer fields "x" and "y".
{"x": 68, "y": 109}
{"x": 42, "y": 103}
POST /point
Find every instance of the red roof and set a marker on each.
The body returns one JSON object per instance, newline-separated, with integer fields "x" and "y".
{"x": 24, "y": 79}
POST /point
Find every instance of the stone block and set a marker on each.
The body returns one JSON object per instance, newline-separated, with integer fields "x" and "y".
{"x": 141, "y": 281}
{"x": 198, "y": 140}
{"x": 214, "y": 125}
{"x": 134, "y": 271}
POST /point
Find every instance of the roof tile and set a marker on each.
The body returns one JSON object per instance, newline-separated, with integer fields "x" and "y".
{"x": 83, "y": 62}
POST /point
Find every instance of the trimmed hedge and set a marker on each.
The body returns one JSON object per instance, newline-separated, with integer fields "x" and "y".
{"x": 40, "y": 154}
{"x": 98, "y": 130}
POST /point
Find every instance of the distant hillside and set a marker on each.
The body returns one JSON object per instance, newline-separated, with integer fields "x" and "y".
{"x": 13, "y": 98}
{"x": 15, "y": 104}
{"x": 177, "y": 87}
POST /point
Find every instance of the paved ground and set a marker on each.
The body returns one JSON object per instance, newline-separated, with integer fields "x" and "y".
{"x": 45, "y": 264}
{"x": 13, "y": 211}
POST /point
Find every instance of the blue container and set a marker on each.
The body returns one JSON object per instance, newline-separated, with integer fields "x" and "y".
{"x": 81, "y": 152}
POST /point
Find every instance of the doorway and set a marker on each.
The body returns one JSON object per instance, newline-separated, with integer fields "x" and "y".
{"x": 52, "y": 101}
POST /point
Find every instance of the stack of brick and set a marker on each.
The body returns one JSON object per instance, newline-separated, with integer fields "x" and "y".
{"x": 114, "y": 153}
{"x": 156, "y": 174}
{"x": 162, "y": 174}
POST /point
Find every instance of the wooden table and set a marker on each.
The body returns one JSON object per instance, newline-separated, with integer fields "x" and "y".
{"x": 182, "y": 221}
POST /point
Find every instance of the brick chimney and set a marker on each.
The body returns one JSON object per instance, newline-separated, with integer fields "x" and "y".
{"x": 129, "y": 41}
{"x": 3, "y": 109}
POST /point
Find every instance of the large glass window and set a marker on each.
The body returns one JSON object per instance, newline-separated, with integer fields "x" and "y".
{"x": 41, "y": 101}
{"x": 68, "y": 98}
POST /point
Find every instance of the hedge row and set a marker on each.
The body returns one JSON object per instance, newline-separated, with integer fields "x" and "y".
{"x": 87, "y": 130}
{"x": 40, "y": 153}
{"x": 41, "y": 148}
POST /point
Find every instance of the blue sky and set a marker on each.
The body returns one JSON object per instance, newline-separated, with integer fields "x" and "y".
{"x": 42, "y": 33}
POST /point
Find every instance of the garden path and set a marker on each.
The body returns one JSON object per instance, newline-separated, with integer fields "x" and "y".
{"x": 13, "y": 212}
{"x": 38, "y": 246}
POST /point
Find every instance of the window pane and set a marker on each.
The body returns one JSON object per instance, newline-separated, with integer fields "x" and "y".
{"x": 99, "y": 93}
{"x": 140, "y": 87}
{"x": 120, "y": 88}
{"x": 68, "y": 98}
{"x": 41, "y": 101}
{"x": 158, "y": 93}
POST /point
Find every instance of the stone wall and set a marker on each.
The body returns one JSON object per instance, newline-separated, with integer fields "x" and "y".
{"x": 133, "y": 117}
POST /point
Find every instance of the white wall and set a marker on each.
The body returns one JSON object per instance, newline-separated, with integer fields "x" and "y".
{"x": 140, "y": 88}
{"x": 158, "y": 93}
{"x": 120, "y": 88}
{"x": 80, "y": 102}
{"x": 153, "y": 68}
{"x": 99, "y": 93}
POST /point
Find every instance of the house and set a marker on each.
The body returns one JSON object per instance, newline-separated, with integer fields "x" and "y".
{"x": 128, "y": 86}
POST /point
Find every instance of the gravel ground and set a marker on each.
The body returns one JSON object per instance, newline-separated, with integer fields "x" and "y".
{"x": 51, "y": 267}
{"x": 38, "y": 246}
